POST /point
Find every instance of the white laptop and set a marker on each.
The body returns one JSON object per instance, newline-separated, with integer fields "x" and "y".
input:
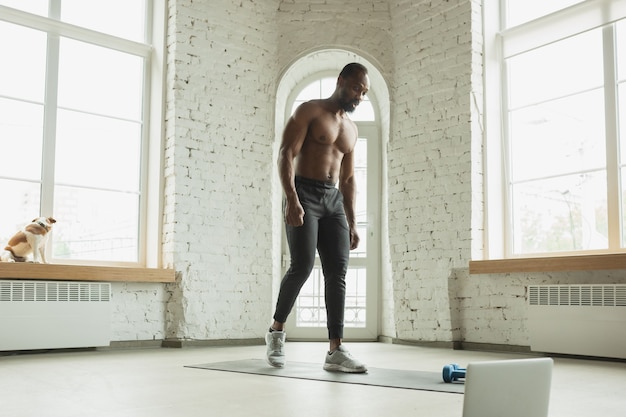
{"x": 508, "y": 388}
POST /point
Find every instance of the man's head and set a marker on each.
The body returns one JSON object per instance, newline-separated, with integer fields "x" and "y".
{"x": 352, "y": 85}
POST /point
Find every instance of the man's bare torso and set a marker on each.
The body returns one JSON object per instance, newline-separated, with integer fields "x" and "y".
{"x": 330, "y": 135}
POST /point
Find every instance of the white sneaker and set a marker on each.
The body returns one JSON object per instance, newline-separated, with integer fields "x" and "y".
{"x": 341, "y": 361}
{"x": 275, "y": 342}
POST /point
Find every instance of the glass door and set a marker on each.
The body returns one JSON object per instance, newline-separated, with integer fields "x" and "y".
{"x": 307, "y": 320}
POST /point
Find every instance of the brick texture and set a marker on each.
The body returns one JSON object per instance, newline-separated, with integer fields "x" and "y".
{"x": 221, "y": 77}
{"x": 430, "y": 161}
{"x": 221, "y": 219}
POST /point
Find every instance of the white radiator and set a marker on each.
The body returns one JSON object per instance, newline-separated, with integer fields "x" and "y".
{"x": 585, "y": 320}
{"x": 54, "y": 315}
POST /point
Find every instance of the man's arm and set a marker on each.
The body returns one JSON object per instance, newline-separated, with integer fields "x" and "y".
{"x": 292, "y": 141}
{"x": 347, "y": 186}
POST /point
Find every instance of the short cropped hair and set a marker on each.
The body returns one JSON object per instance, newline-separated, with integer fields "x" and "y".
{"x": 351, "y": 69}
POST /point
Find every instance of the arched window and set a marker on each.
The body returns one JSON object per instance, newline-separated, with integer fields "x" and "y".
{"x": 309, "y": 314}
{"x": 323, "y": 88}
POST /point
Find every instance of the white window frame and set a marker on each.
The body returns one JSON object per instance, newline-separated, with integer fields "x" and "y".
{"x": 153, "y": 51}
{"x": 371, "y": 262}
{"x": 500, "y": 44}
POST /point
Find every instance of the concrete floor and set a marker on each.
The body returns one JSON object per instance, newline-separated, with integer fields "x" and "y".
{"x": 155, "y": 383}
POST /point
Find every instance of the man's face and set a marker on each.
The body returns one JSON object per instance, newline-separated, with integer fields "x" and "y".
{"x": 353, "y": 90}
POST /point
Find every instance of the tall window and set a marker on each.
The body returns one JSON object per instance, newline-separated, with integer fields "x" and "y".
{"x": 563, "y": 82}
{"x": 74, "y": 88}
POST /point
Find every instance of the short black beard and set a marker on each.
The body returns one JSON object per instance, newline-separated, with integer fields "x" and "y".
{"x": 347, "y": 107}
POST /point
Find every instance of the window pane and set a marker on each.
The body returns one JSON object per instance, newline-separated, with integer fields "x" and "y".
{"x": 557, "y": 137}
{"x": 100, "y": 80}
{"x": 122, "y": 18}
{"x": 95, "y": 225}
{"x": 355, "y": 297}
{"x": 364, "y": 112}
{"x": 310, "y": 92}
{"x": 560, "y": 214}
{"x": 95, "y": 151}
{"x": 21, "y": 133}
{"x": 310, "y": 309}
{"x": 20, "y": 204}
{"x": 360, "y": 173}
{"x": 22, "y": 74}
{"x": 324, "y": 88}
{"x": 361, "y": 250}
{"x": 521, "y": 11}
{"x": 95, "y": 110}
{"x": 39, "y": 7}
{"x": 295, "y": 106}
{"x": 569, "y": 66}
{"x": 328, "y": 86}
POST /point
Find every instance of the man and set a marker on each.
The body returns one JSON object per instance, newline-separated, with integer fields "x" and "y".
{"x": 316, "y": 153}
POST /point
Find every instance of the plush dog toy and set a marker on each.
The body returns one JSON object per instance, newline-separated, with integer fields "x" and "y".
{"x": 30, "y": 240}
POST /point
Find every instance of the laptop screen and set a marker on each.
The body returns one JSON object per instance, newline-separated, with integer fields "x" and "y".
{"x": 508, "y": 388}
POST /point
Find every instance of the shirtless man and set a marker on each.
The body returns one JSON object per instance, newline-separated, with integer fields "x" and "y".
{"x": 315, "y": 154}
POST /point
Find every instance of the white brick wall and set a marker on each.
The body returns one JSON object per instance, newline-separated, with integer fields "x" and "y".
{"x": 429, "y": 161}
{"x": 220, "y": 223}
{"x": 218, "y": 164}
{"x": 138, "y": 311}
{"x": 491, "y": 309}
{"x": 362, "y": 26}
{"x": 219, "y": 151}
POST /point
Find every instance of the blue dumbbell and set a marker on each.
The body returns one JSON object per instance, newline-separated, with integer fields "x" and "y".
{"x": 453, "y": 372}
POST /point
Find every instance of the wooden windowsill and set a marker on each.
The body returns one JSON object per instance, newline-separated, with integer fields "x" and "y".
{"x": 550, "y": 264}
{"x": 84, "y": 273}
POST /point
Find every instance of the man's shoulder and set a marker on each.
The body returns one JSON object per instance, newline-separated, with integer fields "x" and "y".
{"x": 311, "y": 108}
{"x": 313, "y": 104}
{"x": 318, "y": 107}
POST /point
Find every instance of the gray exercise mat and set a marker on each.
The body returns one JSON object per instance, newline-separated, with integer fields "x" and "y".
{"x": 392, "y": 378}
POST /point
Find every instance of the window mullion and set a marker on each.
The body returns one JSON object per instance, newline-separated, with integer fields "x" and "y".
{"x": 576, "y": 19}
{"x": 496, "y": 202}
{"x": 506, "y": 152}
{"x": 50, "y": 124}
{"x": 612, "y": 145}
{"x": 50, "y": 119}
{"x": 56, "y": 26}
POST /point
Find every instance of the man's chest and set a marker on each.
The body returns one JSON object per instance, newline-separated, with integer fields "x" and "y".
{"x": 335, "y": 132}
